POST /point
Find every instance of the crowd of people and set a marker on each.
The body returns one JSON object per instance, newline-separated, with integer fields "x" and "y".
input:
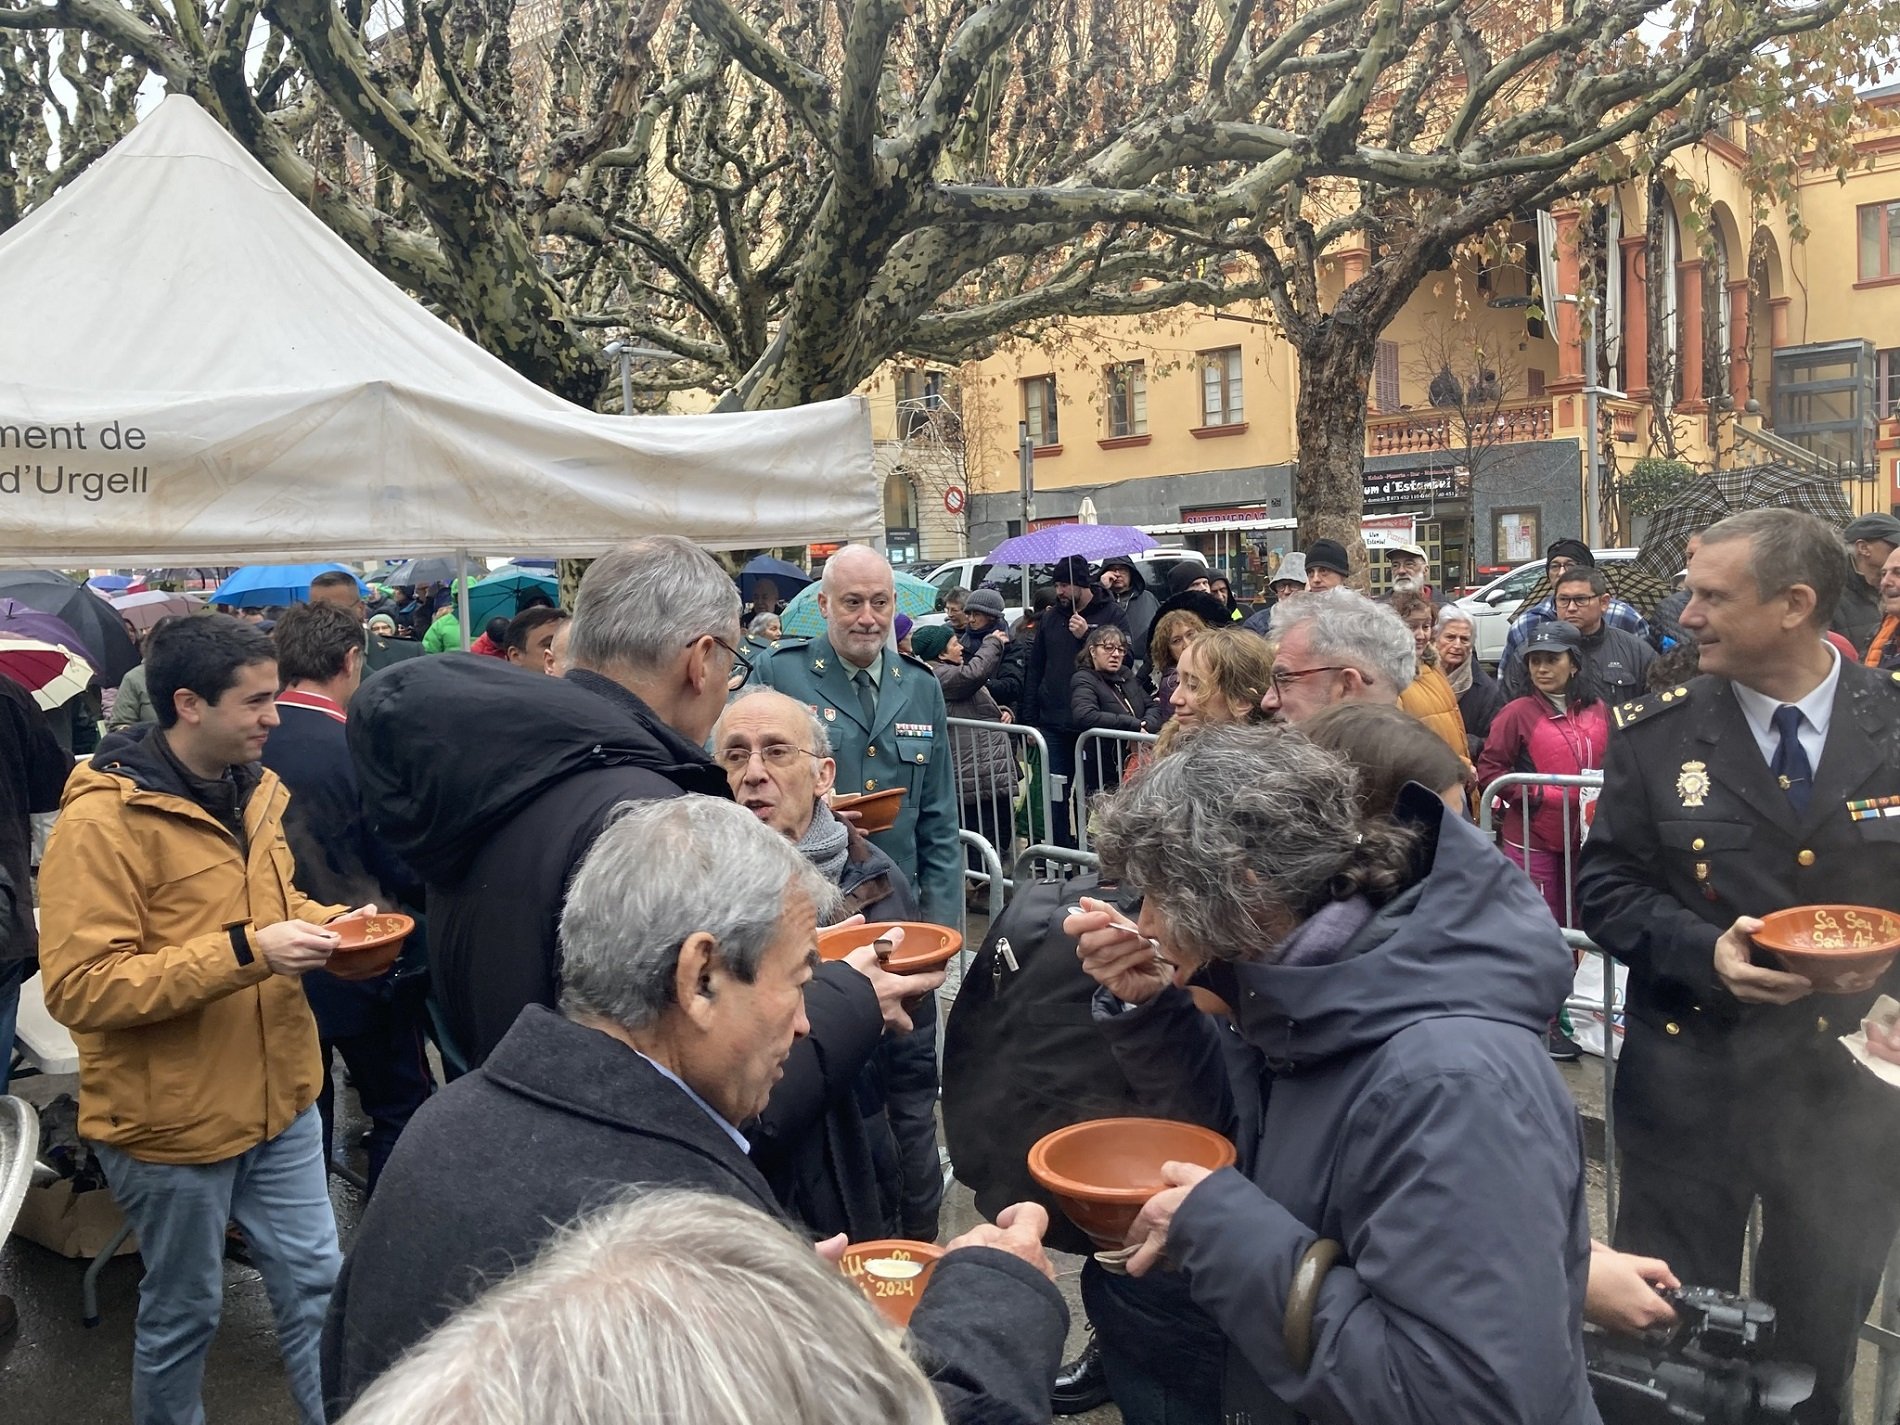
{"x": 617, "y": 874}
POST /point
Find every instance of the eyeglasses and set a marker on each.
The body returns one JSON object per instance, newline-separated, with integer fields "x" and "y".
{"x": 1576, "y": 601}
{"x": 773, "y": 754}
{"x": 1282, "y": 677}
{"x": 1111, "y": 648}
{"x": 741, "y": 665}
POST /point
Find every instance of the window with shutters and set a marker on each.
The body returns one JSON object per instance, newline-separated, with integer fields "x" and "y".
{"x": 1887, "y": 383}
{"x": 1385, "y": 378}
{"x": 1221, "y": 403}
{"x": 1039, "y": 410}
{"x": 1127, "y": 399}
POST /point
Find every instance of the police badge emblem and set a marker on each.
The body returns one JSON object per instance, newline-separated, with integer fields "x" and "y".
{"x": 1692, "y": 783}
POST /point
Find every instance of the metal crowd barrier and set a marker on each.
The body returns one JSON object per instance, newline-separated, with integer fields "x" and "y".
{"x": 1008, "y": 798}
{"x": 1101, "y": 761}
{"x": 1570, "y": 817}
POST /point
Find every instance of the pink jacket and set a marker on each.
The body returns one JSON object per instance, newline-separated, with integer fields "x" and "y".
{"x": 1528, "y": 735}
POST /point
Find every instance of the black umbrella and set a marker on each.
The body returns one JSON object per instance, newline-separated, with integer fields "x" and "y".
{"x": 414, "y": 572}
{"x": 95, "y": 621}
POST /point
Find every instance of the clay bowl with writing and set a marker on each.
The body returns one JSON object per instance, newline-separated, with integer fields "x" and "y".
{"x": 1840, "y": 949}
{"x": 877, "y": 811}
{"x": 368, "y": 945}
{"x": 893, "y": 1274}
{"x": 924, "y": 947}
{"x": 1102, "y": 1172}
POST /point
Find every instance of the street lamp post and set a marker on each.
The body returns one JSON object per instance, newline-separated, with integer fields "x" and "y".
{"x": 1593, "y": 389}
{"x": 1026, "y": 463}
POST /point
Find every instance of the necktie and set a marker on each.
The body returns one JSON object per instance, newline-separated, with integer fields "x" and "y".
{"x": 867, "y": 697}
{"x": 1790, "y": 764}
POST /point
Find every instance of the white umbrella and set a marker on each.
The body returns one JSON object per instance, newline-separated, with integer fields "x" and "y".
{"x": 1085, "y": 514}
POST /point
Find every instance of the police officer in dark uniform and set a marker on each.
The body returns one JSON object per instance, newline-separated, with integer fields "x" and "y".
{"x": 1772, "y": 781}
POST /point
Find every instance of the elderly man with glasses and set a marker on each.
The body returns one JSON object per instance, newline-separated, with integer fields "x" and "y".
{"x": 864, "y": 1172}
{"x": 884, "y": 716}
{"x": 1337, "y": 646}
{"x": 687, "y": 956}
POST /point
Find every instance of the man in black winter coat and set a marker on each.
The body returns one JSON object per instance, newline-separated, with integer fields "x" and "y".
{"x": 493, "y": 782}
{"x": 1124, "y": 584}
{"x": 687, "y": 945}
{"x": 869, "y": 1167}
{"x": 376, "y": 1024}
{"x": 1082, "y": 605}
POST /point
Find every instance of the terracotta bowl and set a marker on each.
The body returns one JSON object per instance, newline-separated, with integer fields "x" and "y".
{"x": 924, "y": 947}
{"x": 893, "y": 1274}
{"x": 367, "y": 947}
{"x": 1841, "y": 949}
{"x": 1102, "y": 1172}
{"x": 877, "y": 811}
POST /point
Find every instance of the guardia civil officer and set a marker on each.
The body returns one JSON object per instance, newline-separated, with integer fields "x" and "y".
{"x": 885, "y": 714}
{"x": 1771, "y": 781}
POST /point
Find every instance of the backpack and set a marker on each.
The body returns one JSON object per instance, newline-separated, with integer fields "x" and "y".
{"x": 1022, "y": 1054}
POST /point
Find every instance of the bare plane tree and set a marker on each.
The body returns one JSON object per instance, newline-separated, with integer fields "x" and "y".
{"x": 784, "y": 194}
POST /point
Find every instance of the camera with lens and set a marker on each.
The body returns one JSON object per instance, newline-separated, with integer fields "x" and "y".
{"x": 1710, "y": 1368}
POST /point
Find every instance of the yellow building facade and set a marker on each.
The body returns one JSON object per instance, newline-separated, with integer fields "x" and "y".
{"x": 1784, "y": 321}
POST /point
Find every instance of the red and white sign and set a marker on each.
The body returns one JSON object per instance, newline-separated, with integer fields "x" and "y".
{"x": 953, "y": 499}
{"x": 1384, "y": 531}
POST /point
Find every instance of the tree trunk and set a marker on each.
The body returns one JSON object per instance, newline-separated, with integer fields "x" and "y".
{"x": 567, "y": 573}
{"x": 1330, "y": 417}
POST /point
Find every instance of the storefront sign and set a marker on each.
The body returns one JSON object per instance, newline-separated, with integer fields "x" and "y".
{"x": 1222, "y": 513}
{"x": 1386, "y": 531}
{"x": 1412, "y": 487}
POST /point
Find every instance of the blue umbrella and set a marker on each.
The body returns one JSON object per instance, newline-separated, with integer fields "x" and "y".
{"x": 789, "y": 577}
{"x": 1061, "y": 541}
{"x": 502, "y": 590}
{"x": 257, "y": 586}
{"x": 110, "y": 583}
{"x": 801, "y": 618}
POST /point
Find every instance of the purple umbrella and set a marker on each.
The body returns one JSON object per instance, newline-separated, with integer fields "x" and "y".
{"x": 1060, "y": 541}
{"x": 16, "y": 617}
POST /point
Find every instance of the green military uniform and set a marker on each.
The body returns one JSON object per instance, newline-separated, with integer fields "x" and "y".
{"x": 905, "y": 744}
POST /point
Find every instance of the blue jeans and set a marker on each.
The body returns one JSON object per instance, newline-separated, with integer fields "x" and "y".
{"x": 11, "y": 978}
{"x": 278, "y": 1194}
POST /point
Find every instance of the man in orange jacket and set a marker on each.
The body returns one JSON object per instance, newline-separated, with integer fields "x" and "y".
{"x": 173, "y": 944}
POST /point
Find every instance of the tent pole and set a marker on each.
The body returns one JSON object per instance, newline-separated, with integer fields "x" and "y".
{"x": 461, "y": 593}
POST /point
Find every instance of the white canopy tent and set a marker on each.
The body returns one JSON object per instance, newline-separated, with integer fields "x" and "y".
{"x": 195, "y": 370}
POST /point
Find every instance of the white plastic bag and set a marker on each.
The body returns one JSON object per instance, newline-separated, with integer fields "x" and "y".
{"x": 1584, "y": 1008}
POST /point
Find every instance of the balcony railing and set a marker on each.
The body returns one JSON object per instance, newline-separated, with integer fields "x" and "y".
{"x": 1417, "y": 431}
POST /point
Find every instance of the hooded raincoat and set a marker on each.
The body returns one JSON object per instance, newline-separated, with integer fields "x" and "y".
{"x": 1396, "y": 1098}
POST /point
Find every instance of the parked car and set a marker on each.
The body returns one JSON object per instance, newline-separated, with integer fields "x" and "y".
{"x": 1492, "y": 607}
{"x": 1154, "y": 566}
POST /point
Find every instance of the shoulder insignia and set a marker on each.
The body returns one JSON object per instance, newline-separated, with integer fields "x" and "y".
{"x": 1642, "y": 709}
{"x": 786, "y": 645}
